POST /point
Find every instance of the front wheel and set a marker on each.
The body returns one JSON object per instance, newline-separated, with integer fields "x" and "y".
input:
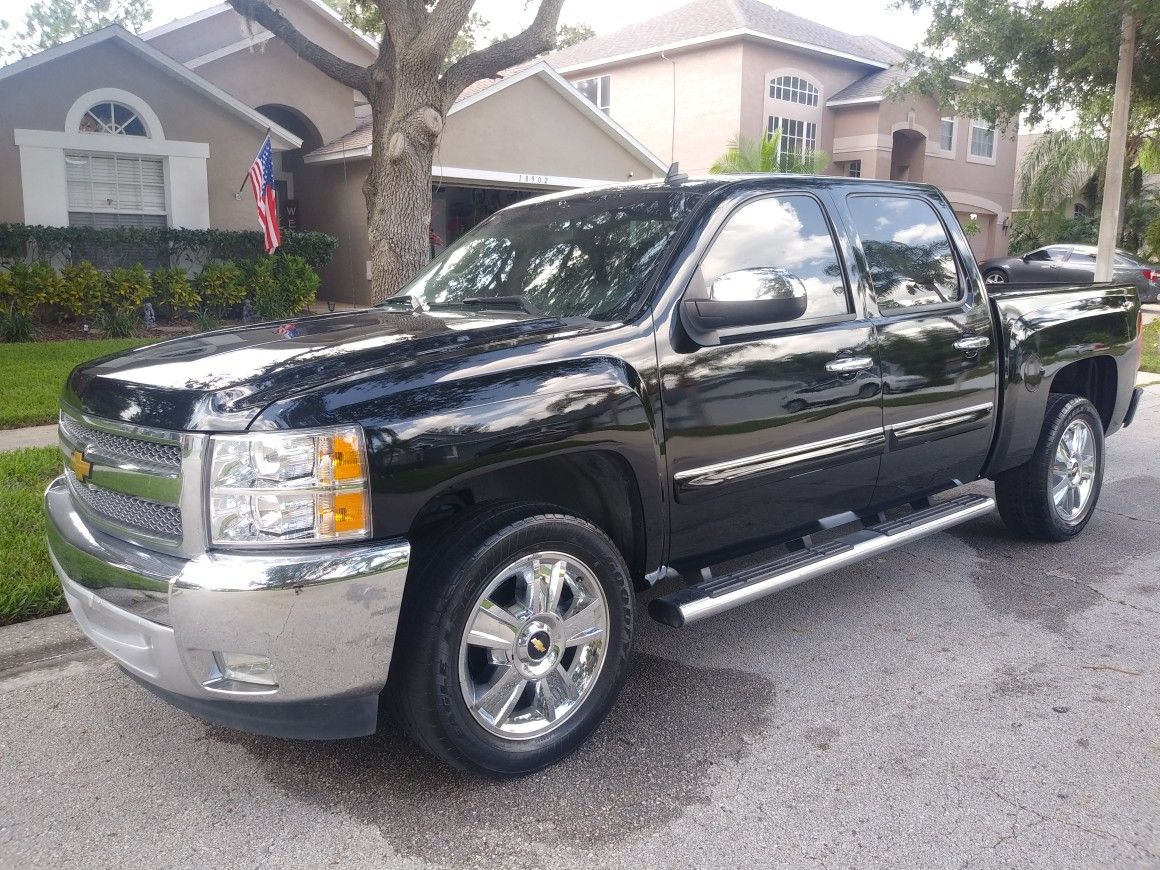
{"x": 516, "y": 639}
{"x": 1053, "y": 495}
{"x": 995, "y": 276}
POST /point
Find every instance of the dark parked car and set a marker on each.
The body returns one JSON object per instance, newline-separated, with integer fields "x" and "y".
{"x": 445, "y": 505}
{"x": 1071, "y": 264}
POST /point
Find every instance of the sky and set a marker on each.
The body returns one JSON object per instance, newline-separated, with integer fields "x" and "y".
{"x": 853, "y": 16}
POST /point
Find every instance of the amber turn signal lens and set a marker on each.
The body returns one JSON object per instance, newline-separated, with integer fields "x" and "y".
{"x": 347, "y": 458}
{"x": 349, "y": 512}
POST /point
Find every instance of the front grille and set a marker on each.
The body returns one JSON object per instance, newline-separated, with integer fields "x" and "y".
{"x": 130, "y": 511}
{"x": 122, "y": 447}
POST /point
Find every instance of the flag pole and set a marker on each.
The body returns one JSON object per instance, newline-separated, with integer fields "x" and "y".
{"x": 246, "y": 178}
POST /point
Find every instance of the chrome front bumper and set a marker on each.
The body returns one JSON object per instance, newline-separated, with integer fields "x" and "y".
{"x": 326, "y": 618}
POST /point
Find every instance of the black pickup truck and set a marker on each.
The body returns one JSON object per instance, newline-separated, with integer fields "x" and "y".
{"x": 446, "y": 504}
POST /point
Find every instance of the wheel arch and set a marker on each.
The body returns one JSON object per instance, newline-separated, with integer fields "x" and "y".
{"x": 597, "y": 484}
{"x": 1094, "y": 378}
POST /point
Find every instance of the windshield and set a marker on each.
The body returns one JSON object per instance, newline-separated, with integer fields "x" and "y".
{"x": 584, "y": 256}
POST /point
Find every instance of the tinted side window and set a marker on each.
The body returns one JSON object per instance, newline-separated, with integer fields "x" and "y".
{"x": 789, "y": 240}
{"x": 1042, "y": 255}
{"x": 1081, "y": 257}
{"x": 910, "y": 257}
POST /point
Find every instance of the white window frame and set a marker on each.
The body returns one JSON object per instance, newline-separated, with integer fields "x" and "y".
{"x": 603, "y": 91}
{"x": 947, "y": 152}
{"x": 972, "y": 157}
{"x": 809, "y": 142}
{"x": 795, "y": 89}
{"x": 118, "y": 208}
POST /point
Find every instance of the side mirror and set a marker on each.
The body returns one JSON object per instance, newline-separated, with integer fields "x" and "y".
{"x": 748, "y": 297}
{"x": 1026, "y": 258}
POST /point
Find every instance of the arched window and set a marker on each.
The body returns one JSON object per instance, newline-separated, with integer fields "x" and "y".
{"x": 108, "y": 116}
{"x": 793, "y": 89}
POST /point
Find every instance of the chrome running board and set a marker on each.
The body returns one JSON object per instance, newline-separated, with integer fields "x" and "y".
{"x": 716, "y": 595}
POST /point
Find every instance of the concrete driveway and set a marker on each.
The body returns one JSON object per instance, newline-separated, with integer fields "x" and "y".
{"x": 972, "y": 701}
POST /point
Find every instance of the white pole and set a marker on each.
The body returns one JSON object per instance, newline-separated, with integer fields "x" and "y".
{"x": 1117, "y": 148}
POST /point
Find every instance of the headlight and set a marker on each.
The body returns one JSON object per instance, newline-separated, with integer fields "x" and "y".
{"x": 279, "y": 487}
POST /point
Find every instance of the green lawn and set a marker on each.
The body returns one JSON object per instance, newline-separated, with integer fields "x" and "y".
{"x": 34, "y": 373}
{"x": 1150, "y": 359}
{"x": 28, "y": 586}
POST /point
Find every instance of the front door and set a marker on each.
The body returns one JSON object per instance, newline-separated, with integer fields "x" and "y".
{"x": 936, "y": 343}
{"x": 779, "y": 424}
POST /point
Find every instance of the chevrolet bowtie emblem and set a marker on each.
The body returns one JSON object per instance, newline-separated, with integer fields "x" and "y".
{"x": 81, "y": 467}
{"x": 540, "y": 646}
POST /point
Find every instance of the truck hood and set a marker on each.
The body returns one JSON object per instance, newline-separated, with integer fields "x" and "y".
{"x": 221, "y": 380}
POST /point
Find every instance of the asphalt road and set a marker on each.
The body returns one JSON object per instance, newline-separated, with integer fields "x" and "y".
{"x": 972, "y": 701}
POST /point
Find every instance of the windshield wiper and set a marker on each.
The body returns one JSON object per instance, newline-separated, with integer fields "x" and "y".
{"x": 521, "y": 303}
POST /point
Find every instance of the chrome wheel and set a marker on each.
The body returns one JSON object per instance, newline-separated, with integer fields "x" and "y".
{"x": 1073, "y": 471}
{"x": 995, "y": 278}
{"x": 533, "y": 645}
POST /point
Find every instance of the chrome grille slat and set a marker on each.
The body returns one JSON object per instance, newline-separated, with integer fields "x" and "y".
{"x": 127, "y": 510}
{"x": 155, "y": 453}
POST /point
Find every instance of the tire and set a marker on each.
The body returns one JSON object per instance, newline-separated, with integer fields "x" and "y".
{"x": 996, "y": 276}
{"x": 440, "y": 680}
{"x": 1027, "y": 495}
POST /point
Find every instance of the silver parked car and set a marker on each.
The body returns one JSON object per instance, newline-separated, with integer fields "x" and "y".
{"x": 1071, "y": 264}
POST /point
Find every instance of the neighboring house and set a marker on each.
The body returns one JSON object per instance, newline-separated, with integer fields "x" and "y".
{"x": 688, "y": 81}
{"x": 113, "y": 129}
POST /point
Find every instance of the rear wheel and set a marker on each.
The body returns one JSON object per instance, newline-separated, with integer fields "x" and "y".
{"x": 995, "y": 276}
{"x": 1053, "y": 495}
{"x": 518, "y": 628}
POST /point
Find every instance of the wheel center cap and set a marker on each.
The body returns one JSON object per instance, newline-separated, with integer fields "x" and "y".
{"x": 538, "y": 645}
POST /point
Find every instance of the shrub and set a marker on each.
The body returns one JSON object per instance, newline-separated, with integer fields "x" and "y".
{"x": 118, "y": 323}
{"x": 282, "y": 286}
{"x": 31, "y": 285}
{"x": 82, "y": 290}
{"x": 172, "y": 288}
{"x": 126, "y": 245}
{"x": 204, "y": 320}
{"x": 220, "y": 285}
{"x": 128, "y": 289}
{"x": 16, "y": 325}
{"x": 1152, "y": 239}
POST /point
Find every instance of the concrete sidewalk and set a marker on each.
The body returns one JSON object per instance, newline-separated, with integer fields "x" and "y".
{"x": 33, "y": 436}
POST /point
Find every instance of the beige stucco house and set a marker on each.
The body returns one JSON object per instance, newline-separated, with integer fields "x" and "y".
{"x": 114, "y": 129}
{"x": 686, "y": 82}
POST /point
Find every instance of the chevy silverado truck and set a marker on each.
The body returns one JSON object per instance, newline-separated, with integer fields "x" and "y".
{"x": 445, "y": 505}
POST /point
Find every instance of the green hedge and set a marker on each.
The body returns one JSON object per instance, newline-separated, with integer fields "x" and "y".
{"x": 126, "y": 246}
{"x": 278, "y": 286}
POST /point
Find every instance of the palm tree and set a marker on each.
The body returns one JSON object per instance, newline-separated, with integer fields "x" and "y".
{"x": 752, "y": 155}
{"x": 1059, "y": 166}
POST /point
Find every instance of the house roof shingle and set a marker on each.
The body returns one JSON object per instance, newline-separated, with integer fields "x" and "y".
{"x": 706, "y": 18}
{"x": 871, "y": 86}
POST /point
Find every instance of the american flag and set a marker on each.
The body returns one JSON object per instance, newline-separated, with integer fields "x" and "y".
{"x": 262, "y": 182}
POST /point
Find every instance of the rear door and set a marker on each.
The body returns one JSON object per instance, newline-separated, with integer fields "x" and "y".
{"x": 936, "y": 344}
{"x": 775, "y": 425}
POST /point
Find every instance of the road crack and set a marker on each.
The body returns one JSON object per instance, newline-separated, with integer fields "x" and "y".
{"x": 1097, "y": 832}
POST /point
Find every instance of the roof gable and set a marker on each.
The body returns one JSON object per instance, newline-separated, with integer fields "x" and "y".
{"x": 281, "y": 137}
{"x": 709, "y": 20}
{"x": 357, "y": 143}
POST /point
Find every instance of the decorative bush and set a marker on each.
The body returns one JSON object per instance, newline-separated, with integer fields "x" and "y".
{"x": 32, "y": 284}
{"x": 82, "y": 290}
{"x": 220, "y": 285}
{"x": 127, "y": 289}
{"x": 282, "y": 286}
{"x": 124, "y": 246}
{"x": 172, "y": 289}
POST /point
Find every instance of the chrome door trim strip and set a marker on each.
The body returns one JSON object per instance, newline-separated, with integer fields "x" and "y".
{"x": 734, "y": 469}
{"x": 936, "y": 422}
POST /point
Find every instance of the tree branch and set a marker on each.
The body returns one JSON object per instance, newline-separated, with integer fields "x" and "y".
{"x": 340, "y": 70}
{"x": 539, "y": 37}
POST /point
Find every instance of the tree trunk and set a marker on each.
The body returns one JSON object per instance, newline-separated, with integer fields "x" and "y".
{"x": 398, "y": 186}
